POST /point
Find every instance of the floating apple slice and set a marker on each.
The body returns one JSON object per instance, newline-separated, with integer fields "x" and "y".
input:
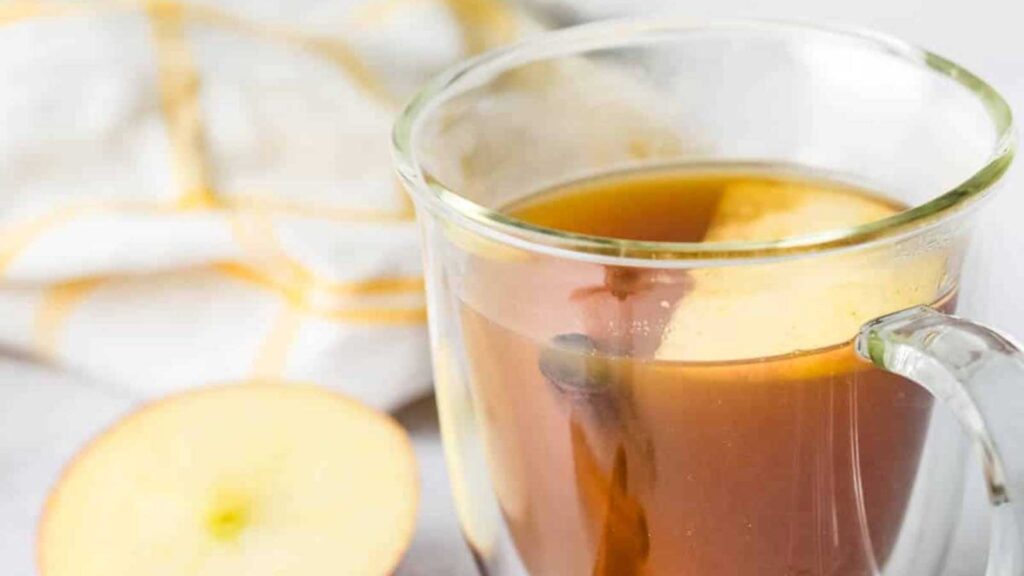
{"x": 757, "y": 311}
{"x": 763, "y": 210}
{"x": 254, "y": 479}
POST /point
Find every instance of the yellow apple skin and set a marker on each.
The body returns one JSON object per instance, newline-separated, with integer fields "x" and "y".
{"x": 255, "y": 479}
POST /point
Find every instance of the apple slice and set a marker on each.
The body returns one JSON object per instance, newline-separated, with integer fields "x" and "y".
{"x": 254, "y": 479}
{"x": 763, "y": 310}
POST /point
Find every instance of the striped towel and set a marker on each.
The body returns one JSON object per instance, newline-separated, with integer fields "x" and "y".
{"x": 199, "y": 193}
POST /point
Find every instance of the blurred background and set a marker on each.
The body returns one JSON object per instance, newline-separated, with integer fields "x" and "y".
{"x": 171, "y": 186}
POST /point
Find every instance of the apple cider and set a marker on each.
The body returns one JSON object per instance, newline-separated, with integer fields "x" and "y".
{"x": 695, "y": 421}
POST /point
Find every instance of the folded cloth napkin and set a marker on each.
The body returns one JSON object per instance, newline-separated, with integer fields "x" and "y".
{"x": 198, "y": 193}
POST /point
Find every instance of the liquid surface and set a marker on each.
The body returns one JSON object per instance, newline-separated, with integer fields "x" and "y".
{"x": 684, "y": 206}
{"x": 612, "y": 453}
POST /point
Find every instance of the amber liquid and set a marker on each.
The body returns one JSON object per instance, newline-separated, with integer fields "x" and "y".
{"x": 609, "y": 459}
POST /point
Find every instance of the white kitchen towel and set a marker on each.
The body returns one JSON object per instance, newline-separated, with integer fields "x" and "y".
{"x": 198, "y": 193}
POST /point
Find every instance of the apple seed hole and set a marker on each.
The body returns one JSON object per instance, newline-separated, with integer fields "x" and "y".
{"x": 228, "y": 518}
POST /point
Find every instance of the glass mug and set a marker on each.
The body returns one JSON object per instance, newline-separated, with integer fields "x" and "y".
{"x": 821, "y": 422}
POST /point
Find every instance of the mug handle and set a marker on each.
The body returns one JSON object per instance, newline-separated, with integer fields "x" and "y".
{"x": 979, "y": 375}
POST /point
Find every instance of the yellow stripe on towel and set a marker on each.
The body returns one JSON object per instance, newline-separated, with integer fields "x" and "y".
{"x": 58, "y": 303}
{"x": 300, "y": 298}
{"x": 18, "y": 237}
{"x": 179, "y": 99}
{"x": 270, "y": 204}
{"x": 256, "y": 236}
{"x": 11, "y": 12}
{"x": 272, "y": 356}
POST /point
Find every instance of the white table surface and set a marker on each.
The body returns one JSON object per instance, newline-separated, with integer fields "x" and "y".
{"x": 985, "y": 35}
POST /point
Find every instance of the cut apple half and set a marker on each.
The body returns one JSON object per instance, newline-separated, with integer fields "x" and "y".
{"x": 254, "y": 479}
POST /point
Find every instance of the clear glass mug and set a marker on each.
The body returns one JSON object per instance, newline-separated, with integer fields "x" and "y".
{"x": 821, "y": 420}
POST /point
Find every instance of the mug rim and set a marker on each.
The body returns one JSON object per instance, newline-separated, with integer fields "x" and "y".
{"x": 507, "y": 230}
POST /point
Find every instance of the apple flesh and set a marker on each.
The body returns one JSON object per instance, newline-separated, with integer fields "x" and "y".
{"x": 253, "y": 479}
{"x": 764, "y": 310}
